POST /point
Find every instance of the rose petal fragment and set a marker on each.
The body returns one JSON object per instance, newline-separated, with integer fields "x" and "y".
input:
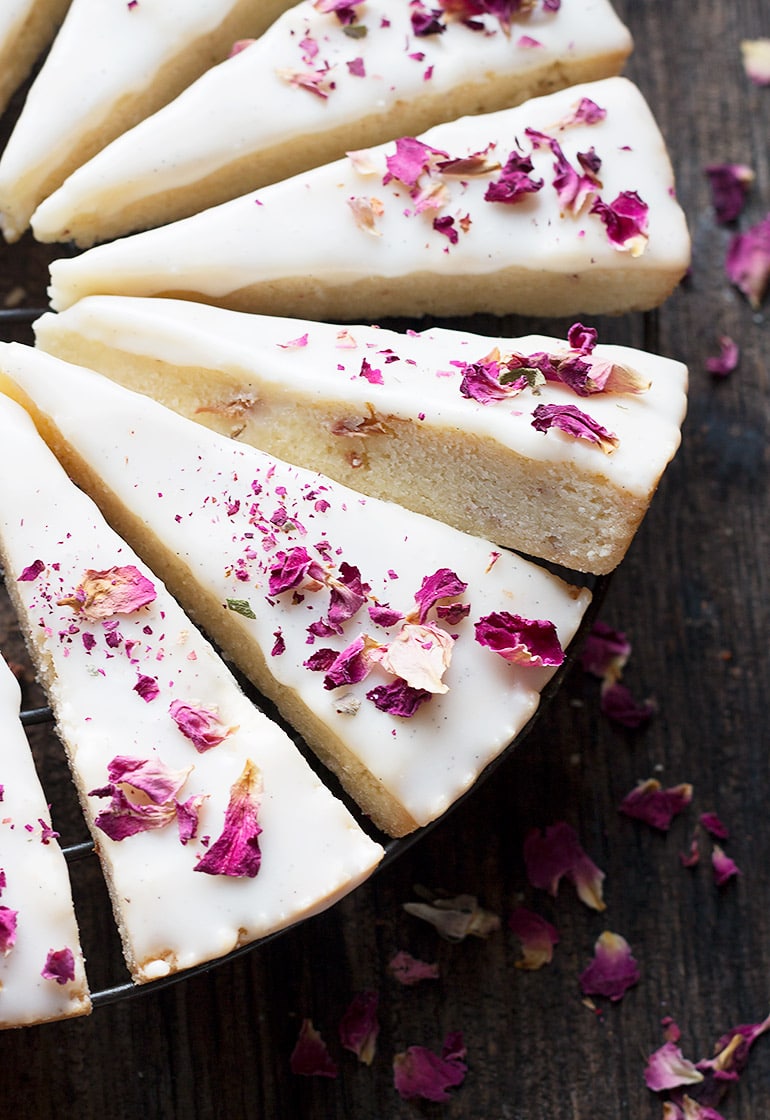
{"x": 618, "y": 704}
{"x": 713, "y": 825}
{"x": 726, "y": 361}
{"x": 605, "y": 652}
{"x": 419, "y": 1073}
{"x": 59, "y": 966}
{"x": 455, "y": 918}
{"x": 748, "y": 261}
{"x": 537, "y": 937}
{"x": 656, "y": 806}
{"x": 236, "y": 853}
{"x": 202, "y": 726}
{"x": 408, "y": 970}
{"x": 667, "y": 1068}
{"x": 729, "y": 183}
{"x": 557, "y": 853}
{"x": 613, "y": 969}
{"x": 310, "y": 1056}
{"x": 359, "y": 1026}
{"x": 723, "y": 867}
{"x": 420, "y": 655}
{"x": 522, "y": 641}
{"x": 571, "y": 420}
{"x": 8, "y": 924}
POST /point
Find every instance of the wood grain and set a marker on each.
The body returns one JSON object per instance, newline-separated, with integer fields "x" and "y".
{"x": 693, "y": 597}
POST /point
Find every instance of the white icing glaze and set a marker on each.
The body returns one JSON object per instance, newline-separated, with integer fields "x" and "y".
{"x": 26, "y": 28}
{"x": 37, "y": 884}
{"x": 222, "y": 117}
{"x": 304, "y": 227}
{"x": 312, "y": 850}
{"x": 103, "y": 54}
{"x": 201, "y": 503}
{"x": 421, "y": 386}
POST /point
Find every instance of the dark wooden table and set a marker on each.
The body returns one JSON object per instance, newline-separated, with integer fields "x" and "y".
{"x": 693, "y": 598}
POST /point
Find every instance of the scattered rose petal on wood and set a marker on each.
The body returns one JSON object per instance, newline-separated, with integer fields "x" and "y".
{"x": 756, "y": 60}
{"x": 748, "y": 261}
{"x": 724, "y": 868}
{"x": 537, "y": 937}
{"x": 605, "y": 652}
{"x": 714, "y": 826}
{"x": 454, "y": 918}
{"x": 617, "y": 702}
{"x": 310, "y": 1056}
{"x": 556, "y": 853}
{"x": 729, "y": 183}
{"x": 691, "y": 858}
{"x": 408, "y": 970}
{"x": 726, "y": 361}
{"x": 656, "y": 806}
{"x": 419, "y": 1073}
{"x": 359, "y": 1026}
{"x": 613, "y": 969}
{"x": 667, "y": 1068}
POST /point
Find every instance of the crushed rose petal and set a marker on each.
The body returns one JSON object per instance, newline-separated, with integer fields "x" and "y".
{"x": 408, "y": 970}
{"x": 59, "y": 966}
{"x": 8, "y": 923}
{"x": 398, "y": 698}
{"x": 118, "y": 590}
{"x": 613, "y": 969}
{"x": 359, "y": 1026}
{"x": 310, "y": 1056}
{"x": 656, "y": 806}
{"x": 550, "y": 856}
{"x": 522, "y": 641}
{"x": 236, "y": 852}
{"x": 143, "y": 796}
{"x": 202, "y": 726}
{"x": 726, "y": 361}
{"x": 419, "y": 1073}
{"x": 569, "y": 419}
{"x": 537, "y": 937}
{"x": 626, "y": 221}
{"x": 723, "y": 867}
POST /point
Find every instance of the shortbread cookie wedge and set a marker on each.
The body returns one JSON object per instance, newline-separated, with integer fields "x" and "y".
{"x": 212, "y": 829}
{"x": 26, "y": 29}
{"x": 449, "y": 423}
{"x": 322, "y": 80}
{"x": 42, "y": 971}
{"x": 407, "y": 654}
{"x": 450, "y": 223}
{"x": 112, "y": 63}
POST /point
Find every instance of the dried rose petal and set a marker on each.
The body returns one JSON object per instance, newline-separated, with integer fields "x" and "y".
{"x": 574, "y": 422}
{"x": 455, "y": 918}
{"x": 667, "y": 1068}
{"x": 236, "y": 853}
{"x": 31, "y": 572}
{"x": 522, "y": 641}
{"x": 442, "y": 585}
{"x": 408, "y": 970}
{"x": 59, "y": 966}
{"x": 748, "y": 261}
{"x": 556, "y": 853}
{"x": 150, "y": 776}
{"x": 310, "y": 1056}
{"x": 359, "y": 1026}
{"x": 410, "y": 159}
{"x": 714, "y": 826}
{"x": 613, "y": 969}
{"x": 398, "y": 698}
{"x": 625, "y": 219}
{"x": 419, "y": 1073}
{"x": 119, "y": 590}
{"x": 756, "y": 60}
{"x": 724, "y": 868}
{"x": 605, "y": 652}
{"x": 419, "y": 655}
{"x": 8, "y": 922}
{"x": 656, "y": 806}
{"x": 537, "y": 937}
{"x": 726, "y": 361}
{"x": 691, "y": 858}
{"x": 294, "y": 568}
{"x": 351, "y": 665}
{"x": 730, "y": 183}
{"x": 515, "y": 181}
{"x": 348, "y": 595}
{"x": 619, "y": 705}
{"x": 202, "y": 726}
{"x": 587, "y": 112}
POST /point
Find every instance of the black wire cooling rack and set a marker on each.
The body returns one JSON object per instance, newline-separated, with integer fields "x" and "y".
{"x": 78, "y": 851}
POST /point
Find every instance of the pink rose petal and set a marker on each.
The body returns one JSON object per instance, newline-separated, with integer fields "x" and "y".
{"x": 537, "y": 937}
{"x": 748, "y": 261}
{"x": 723, "y": 867}
{"x": 520, "y": 640}
{"x": 359, "y": 1026}
{"x": 714, "y": 826}
{"x": 102, "y": 594}
{"x": 408, "y": 970}
{"x": 656, "y": 806}
{"x": 667, "y": 1068}
{"x": 8, "y": 923}
{"x": 618, "y": 704}
{"x": 236, "y": 853}
{"x": 612, "y": 971}
{"x": 202, "y": 726}
{"x": 726, "y": 361}
{"x": 730, "y": 183}
{"x": 310, "y": 1056}
{"x": 557, "y": 853}
{"x": 571, "y": 420}
{"x": 59, "y": 966}
{"x": 419, "y": 1073}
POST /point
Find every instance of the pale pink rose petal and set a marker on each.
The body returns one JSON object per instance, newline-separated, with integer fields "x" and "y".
{"x": 102, "y": 594}
{"x": 667, "y": 1068}
{"x": 408, "y": 970}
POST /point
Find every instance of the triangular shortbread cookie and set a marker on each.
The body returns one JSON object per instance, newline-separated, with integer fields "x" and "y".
{"x": 444, "y": 422}
{"x": 449, "y": 224}
{"x": 42, "y": 974}
{"x": 406, "y": 653}
{"x": 324, "y": 79}
{"x": 112, "y": 63}
{"x": 212, "y": 829}
{"x": 26, "y": 29}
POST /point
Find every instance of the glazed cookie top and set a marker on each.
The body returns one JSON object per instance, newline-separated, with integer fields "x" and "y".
{"x": 42, "y": 974}
{"x": 213, "y": 828}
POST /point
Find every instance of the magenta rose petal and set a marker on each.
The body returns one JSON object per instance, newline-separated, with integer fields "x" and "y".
{"x": 613, "y": 969}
